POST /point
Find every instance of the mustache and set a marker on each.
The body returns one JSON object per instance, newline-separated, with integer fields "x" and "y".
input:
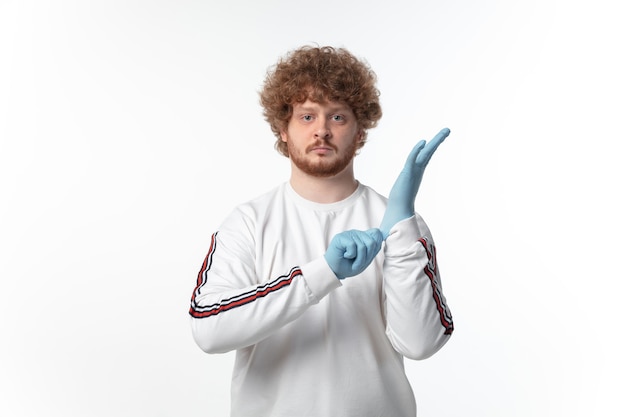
{"x": 321, "y": 143}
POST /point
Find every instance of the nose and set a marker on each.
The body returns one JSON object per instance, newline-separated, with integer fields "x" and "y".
{"x": 322, "y": 131}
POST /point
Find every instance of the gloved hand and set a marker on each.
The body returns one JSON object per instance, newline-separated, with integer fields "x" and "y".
{"x": 401, "y": 204}
{"x": 349, "y": 253}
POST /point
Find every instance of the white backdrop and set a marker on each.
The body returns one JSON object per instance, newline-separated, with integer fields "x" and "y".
{"x": 129, "y": 129}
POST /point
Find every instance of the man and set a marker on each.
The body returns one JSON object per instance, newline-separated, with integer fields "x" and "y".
{"x": 295, "y": 280}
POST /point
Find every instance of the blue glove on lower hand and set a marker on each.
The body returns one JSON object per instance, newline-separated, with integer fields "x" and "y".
{"x": 349, "y": 253}
{"x": 401, "y": 204}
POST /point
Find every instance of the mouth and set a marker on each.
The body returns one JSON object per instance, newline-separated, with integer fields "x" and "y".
{"x": 321, "y": 149}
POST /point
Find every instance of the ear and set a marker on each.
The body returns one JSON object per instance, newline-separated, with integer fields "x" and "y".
{"x": 283, "y": 136}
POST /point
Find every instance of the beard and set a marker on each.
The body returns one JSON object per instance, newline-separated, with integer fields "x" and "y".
{"x": 322, "y": 167}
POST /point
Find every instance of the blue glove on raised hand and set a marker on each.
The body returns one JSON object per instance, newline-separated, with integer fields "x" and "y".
{"x": 349, "y": 253}
{"x": 401, "y": 204}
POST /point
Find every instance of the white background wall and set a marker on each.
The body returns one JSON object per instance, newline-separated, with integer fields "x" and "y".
{"x": 129, "y": 129}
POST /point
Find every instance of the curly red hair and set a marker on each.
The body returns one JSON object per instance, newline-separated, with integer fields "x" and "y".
{"x": 320, "y": 74}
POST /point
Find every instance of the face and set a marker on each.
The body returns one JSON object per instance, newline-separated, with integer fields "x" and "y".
{"x": 321, "y": 138}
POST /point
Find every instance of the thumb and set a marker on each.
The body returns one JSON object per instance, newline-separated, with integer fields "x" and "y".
{"x": 376, "y": 234}
{"x": 410, "y": 160}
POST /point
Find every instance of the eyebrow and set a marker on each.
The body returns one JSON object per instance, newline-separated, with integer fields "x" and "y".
{"x": 334, "y": 109}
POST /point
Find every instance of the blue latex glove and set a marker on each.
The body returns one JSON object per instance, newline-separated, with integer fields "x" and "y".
{"x": 401, "y": 204}
{"x": 349, "y": 253}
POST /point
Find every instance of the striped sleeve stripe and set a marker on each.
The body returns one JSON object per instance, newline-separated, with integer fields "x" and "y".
{"x": 431, "y": 270}
{"x": 244, "y": 298}
{"x": 198, "y": 311}
{"x": 206, "y": 265}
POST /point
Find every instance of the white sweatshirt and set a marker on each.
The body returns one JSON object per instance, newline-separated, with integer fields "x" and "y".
{"x": 307, "y": 343}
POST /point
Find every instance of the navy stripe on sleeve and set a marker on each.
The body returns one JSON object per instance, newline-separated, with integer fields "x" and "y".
{"x": 199, "y": 311}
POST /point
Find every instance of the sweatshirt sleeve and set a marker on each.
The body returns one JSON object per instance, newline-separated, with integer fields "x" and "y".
{"x": 419, "y": 321}
{"x": 232, "y": 307}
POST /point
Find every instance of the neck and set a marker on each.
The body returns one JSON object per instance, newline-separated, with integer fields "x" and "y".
{"x": 324, "y": 190}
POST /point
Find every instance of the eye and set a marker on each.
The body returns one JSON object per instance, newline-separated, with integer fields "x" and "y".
{"x": 307, "y": 117}
{"x": 338, "y": 118}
